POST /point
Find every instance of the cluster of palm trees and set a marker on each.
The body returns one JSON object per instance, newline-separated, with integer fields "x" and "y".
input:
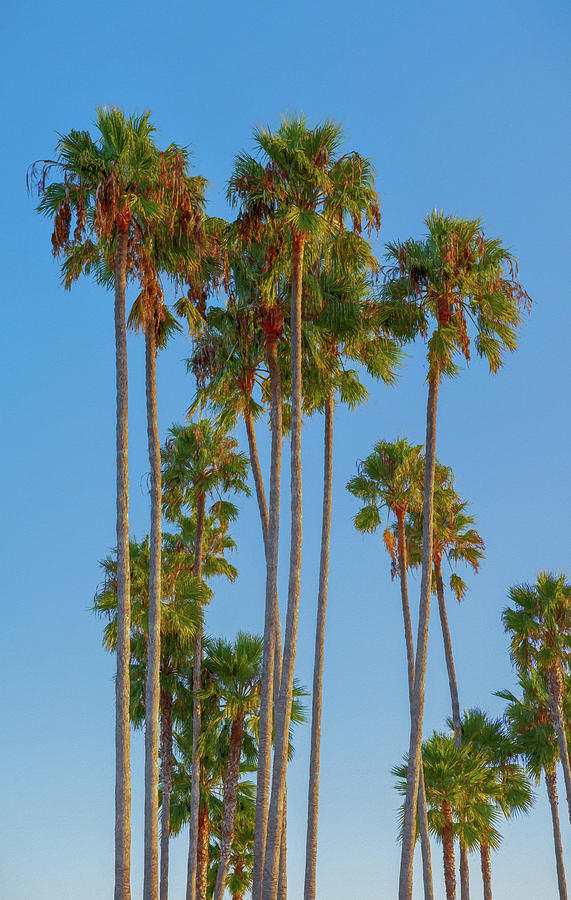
{"x": 309, "y": 310}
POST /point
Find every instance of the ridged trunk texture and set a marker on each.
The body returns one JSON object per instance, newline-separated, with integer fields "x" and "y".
{"x": 270, "y": 625}
{"x": 551, "y": 785}
{"x": 258, "y": 479}
{"x": 313, "y": 792}
{"x": 448, "y": 853}
{"x": 166, "y": 783}
{"x": 448, "y": 654}
{"x": 417, "y": 708}
{"x": 264, "y": 519}
{"x": 486, "y": 870}
{"x": 464, "y": 873}
{"x": 152, "y": 680}
{"x": 122, "y": 683}
{"x": 555, "y": 690}
{"x": 203, "y": 853}
{"x": 196, "y": 720}
{"x": 282, "y": 877}
{"x": 422, "y": 809}
{"x": 229, "y": 803}
{"x": 283, "y": 713}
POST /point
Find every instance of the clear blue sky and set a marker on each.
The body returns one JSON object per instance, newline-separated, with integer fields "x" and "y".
{"x": 461, "y": 106}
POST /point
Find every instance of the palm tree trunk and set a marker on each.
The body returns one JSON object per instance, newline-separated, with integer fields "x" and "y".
{"x": 196, "y": 718}
{"x": 313, "y": 792}
{"x": 417, "y": 709}
{"x": 551, "y": 785}
{"x": 448, "y": 853}
{"x": 554, "y": 687}
{"x": 464, "y": 873}
{"x": 258, "y": 478}
{"x": 166, "y": 782}
{"x": 282, "y": 876}
{"x": 122, "y": 683}
{"x": 270, "y": 625}
{"x": 203, "y": 852}
{"x": 286, "y": 686}
{"x": 422, "y": 809}
{"x": 229, "y": 803}
{"x": 152, "y": 687}
{"x": 448, "y": 654}
{"x": 486, "y": 870}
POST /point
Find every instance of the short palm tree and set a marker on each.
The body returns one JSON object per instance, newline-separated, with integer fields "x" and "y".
{"x": 539, "y": 622}
{"x": 457, "y": 783}
{"x": 512, "y": 792}
{"x": 531, "y": 729}
{"x": 305, "y": 190}
{"x": 465, "y": 284}
{"x": 200, "y": 459}
{"x": 236, "y": 672}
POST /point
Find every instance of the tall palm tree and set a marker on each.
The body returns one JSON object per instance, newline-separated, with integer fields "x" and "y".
{"x": 306, "y": 191}
{"x": 110, "y": 185}
{"x": 539, "y": 622}
{"x": 531, "y": 729}
{"x": 200, "y": 460}
{"x": 338, "y": 291}
{"x": 455, "y": 276}
{"x": 391, "y": 477}
{"x": 237, "y": 350}
{"x": 454, "y": 538}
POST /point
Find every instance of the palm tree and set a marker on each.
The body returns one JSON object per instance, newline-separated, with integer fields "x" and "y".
{"x": 180, "y": 617}
{"x": 235, "y": 347}
{"x": 455, "y": 275}
{"x": 457, "y": 782}
{"x": 512, "y": 792}
{"x": 531, "y": 729}
{"x": 540, "y": 625}
{"x": 305, "y": 191}
{"x": 391, "y": 477}
{"x": 200, "y": 459}
{"x": 455, "y": 538}
{"x": 236, "y": 671}
{"x": 109, "y": 184}
{"x": 174, "y": 249}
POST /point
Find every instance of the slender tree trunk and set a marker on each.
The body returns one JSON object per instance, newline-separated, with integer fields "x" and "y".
{"x": 270, "y": 625}
{"x": 258, "y": 479}
{"x": 196, "y": 718}
{"x": 551, "y": 785}
{"x": 229, "y": 803}
{"x": 448, "y": 654}
{"x": 464, "y": 873}
{"x": 152, "y": 686}
{"x": 122, "y": 683}
{"x": 271, "y": 863}
{"x": 264, "y": 519}
{"x": 554, "y": 687}
{"x": 282, "y": 876}
{"x": 203, "y": 852}
{"x": 417, "y": 709}
{"x": 422, "y": 810}
{"x": 313, "y": 792}
{"x": 448, "y": 853}
{"x": 486, "y": 870}
{"x": 166, "y": 783}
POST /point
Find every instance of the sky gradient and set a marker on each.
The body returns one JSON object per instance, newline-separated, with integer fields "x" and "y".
{"x": 460, "y": 107}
